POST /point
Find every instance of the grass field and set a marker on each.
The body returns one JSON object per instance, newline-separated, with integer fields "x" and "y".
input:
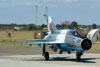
{"x": 16, "y": 37}
{"x": 95, "y": 47}
{"x": 21, "y": 36}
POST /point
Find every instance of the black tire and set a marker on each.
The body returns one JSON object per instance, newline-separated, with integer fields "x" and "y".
{"x": 78, "y": 57}
{"x": 46, "y": 56}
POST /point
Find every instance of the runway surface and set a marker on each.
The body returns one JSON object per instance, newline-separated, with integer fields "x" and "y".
{"x": 18, "y": 57}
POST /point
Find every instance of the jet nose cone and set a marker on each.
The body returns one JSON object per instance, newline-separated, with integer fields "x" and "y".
{"x": 86, "y": 44}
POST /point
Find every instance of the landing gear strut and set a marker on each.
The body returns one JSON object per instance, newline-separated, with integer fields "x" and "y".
{"x": 78, "y": 56}
{"x": 45, "y": 54}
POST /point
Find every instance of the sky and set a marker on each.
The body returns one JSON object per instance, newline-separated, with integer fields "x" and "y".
{"x": 24, "y": 12}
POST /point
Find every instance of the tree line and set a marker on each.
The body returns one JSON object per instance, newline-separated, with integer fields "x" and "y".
{"x": 63, "y": 25}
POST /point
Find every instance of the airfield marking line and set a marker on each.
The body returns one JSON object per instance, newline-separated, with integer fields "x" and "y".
{"x": 10, "y": 54}
{"x": 3, "y": 53}
{"x": 15, "y": 54}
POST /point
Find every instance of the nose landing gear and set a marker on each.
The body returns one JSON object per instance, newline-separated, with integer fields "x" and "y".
{"x": 78, "y": 56}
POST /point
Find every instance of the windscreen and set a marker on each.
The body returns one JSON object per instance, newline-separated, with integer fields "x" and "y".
{"x": 75, "y": 33}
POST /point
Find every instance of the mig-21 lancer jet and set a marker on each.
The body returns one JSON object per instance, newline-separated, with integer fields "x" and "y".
{"x": 67, "y": 40}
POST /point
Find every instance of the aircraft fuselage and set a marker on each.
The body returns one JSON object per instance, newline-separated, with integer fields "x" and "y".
{"x": 70, "y": 40}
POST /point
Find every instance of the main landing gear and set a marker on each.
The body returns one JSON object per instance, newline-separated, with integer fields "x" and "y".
{"x": 78, "y": 56}
{"x": 45, "y": 54}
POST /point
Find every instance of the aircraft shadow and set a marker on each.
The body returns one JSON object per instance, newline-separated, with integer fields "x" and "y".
{"x": 83, "y": 60}
{"x": 59, "y": 59}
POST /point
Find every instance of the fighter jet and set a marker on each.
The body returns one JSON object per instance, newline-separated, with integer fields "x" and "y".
{"x": 67, "y": 40}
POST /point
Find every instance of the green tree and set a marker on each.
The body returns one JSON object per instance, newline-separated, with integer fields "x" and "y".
{"x": 58, "y": 26}
{"x": 43, "y": 26}
{"x": 31, "y": 27}
{"x": 38, "y": 27}
{"x": 74, "y": 25}
{"x": 63, "y": 26}
{"x": 94, "y": 26}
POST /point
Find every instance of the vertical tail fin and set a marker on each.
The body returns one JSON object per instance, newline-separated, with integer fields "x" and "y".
{"x": 51, "y": 27}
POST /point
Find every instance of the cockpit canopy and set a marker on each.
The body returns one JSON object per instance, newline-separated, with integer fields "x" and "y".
{"x": 74, "y": 33}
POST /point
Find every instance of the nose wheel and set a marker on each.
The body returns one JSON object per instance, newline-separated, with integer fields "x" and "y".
{"x": 78, "y": 56}
{"x": 45, "y": 54}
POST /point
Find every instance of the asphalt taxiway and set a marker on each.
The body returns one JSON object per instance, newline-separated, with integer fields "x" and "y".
{"x": 31, "y": 57}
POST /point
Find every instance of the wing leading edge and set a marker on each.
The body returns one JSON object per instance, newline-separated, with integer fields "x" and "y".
{"x": 36, "y": 40}
{"x": 41, "y": 43}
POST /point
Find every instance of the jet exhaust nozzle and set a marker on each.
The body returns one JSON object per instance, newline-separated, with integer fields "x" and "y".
{"x": 86, "y": 44}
